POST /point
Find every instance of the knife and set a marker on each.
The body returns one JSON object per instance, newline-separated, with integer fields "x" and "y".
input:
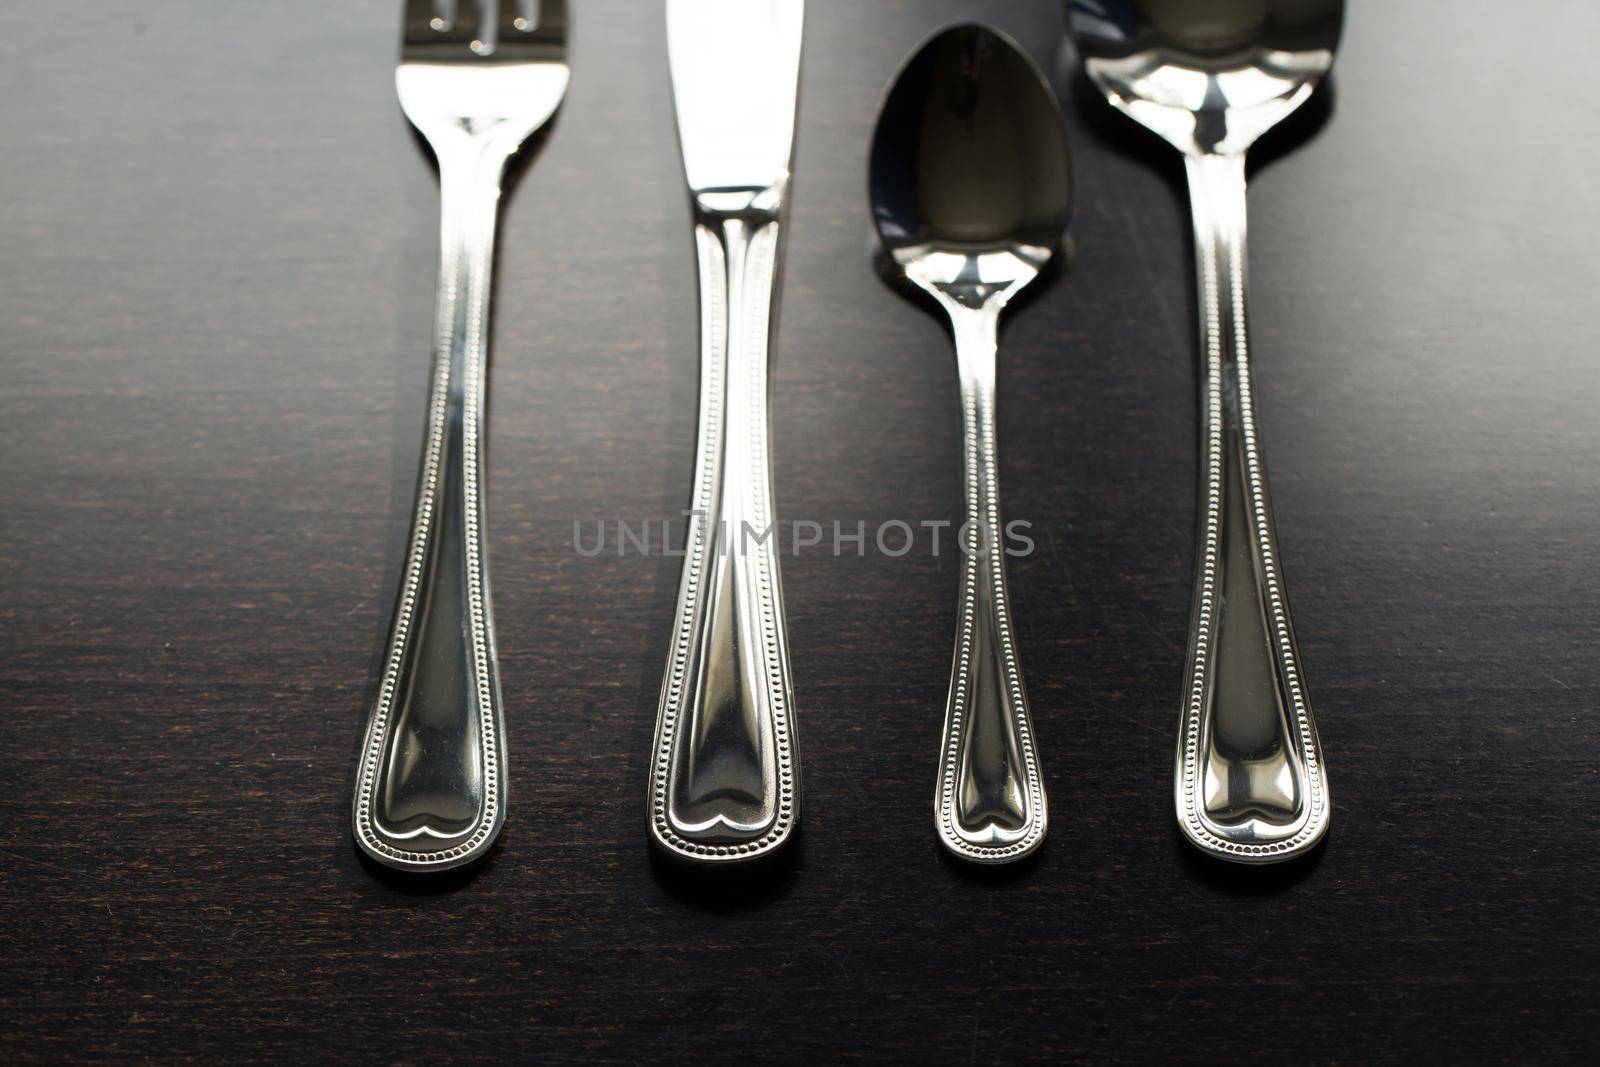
{"x": 725, "y": 773}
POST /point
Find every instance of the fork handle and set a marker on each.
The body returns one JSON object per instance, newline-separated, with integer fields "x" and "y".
{"x": 431, "y": 791}
{"x": 724, "y": 782}
{"x": 1249, "y": 780}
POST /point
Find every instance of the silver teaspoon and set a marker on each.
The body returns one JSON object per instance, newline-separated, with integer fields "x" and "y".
{"x": 1210, "y": 77}
{"x": 969, "y": 188}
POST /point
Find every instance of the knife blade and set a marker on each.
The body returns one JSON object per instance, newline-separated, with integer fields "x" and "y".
{"x": 735, "y": 73}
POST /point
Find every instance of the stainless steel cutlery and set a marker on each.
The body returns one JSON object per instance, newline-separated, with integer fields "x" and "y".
{"x": 431, "y": 784}
{"x": 725, "y": 771}
{"x": 970, "y": 191}
{"x": 1210, "y": 77}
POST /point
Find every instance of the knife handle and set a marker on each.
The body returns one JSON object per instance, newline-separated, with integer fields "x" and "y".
{"x": 725, "y": 773}
{"x": 1250, "y": 784}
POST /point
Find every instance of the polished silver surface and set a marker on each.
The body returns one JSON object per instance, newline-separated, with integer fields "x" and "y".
{"x": 970, "y": 192}
{"x": 1211, "y": 76}
{"x": 431, "y": 786}
{"x": 725, "y": 776}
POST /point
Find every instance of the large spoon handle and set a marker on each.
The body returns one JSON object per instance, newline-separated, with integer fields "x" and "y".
{"x": 1249, "y": 779}
{"x": 724, "y": 783}
{"x": 431, "y": 787}
{"x": 989, "y": 803}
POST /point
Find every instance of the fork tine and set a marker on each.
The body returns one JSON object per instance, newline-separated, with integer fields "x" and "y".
{"x": 517, "y": 17}
{"x": 419, "y": 16}
{"x": 475, "y": 20}
{"x": 441, "y": 21}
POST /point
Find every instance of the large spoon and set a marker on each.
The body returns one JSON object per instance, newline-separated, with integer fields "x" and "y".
{"x": 969, "y": 188}
{"x": 1211, "y": 76}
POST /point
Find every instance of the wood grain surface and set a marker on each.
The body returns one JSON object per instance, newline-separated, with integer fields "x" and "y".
{"x": 217, "y": 245}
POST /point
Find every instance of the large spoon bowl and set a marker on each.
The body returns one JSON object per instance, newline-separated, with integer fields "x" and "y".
{"x": 1209, "y": 76}
{"x": 970, "y": 192}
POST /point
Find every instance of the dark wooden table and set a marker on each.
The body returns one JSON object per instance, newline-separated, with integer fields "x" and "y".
{"x": 216, "y": 271}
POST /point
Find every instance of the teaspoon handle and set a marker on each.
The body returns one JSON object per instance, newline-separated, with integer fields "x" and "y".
{"x": 1249, "y": 780}
{"x": 724, "y": 782}
{"x": 989, "y": 802}
{"x": 431, "y": 785}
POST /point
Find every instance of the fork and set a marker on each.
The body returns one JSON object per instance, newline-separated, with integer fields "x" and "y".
{"x": 475, "y": 78}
